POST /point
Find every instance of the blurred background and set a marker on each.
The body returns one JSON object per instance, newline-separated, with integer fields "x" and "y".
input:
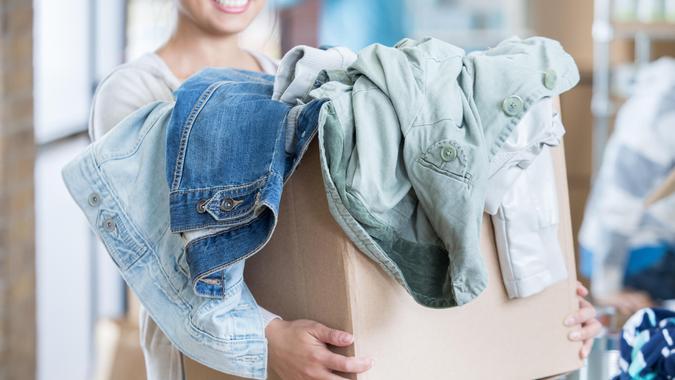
{"x": 64, "y": 311}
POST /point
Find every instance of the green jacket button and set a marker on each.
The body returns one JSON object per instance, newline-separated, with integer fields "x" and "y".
{"x": 513, "y": 105}
{"x": 550, "y": 79}
{"x": 448, "y": 153}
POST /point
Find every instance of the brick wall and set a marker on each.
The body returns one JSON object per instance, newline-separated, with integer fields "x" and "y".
{"x": 17, "y": 222}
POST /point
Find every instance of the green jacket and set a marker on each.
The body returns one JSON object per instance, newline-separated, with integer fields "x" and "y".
{"x": 406, "y": 140}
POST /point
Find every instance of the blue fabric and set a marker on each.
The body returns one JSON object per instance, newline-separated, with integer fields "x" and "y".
{"x": 226, "y": 166}
{"x": 585, "y": 261}
{"x": 641, "y": 258}
{"x": 647, "y": 347}
{"x": 658, "y": 280}
{"x": 356, "y": 23}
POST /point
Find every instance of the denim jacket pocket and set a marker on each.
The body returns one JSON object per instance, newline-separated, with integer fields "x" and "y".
{"x": 225, "y": 206}
{"x": 449, "y": 158}
{"x": 122, "y": 242}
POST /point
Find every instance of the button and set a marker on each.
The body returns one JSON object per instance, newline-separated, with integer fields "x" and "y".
{"x": 94, "y": 199}
{"x": 227, "y": 204}
{"x": 550, "y": 79}
{"x": 201, "y": 206}
{"x": 109, "y": 225}
{"x": 513, "y": 105}
{"x": 448, "y": 153}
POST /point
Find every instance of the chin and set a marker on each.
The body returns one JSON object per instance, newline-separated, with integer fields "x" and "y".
{"x": 233, "y": 16}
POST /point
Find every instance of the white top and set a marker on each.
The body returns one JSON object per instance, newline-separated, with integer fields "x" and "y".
{"x": 133, "y": 85}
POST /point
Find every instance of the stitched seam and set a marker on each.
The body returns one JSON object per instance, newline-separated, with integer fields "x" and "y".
{"x": 131, "y": 226}
{"x": 217, "y": 189}
{"x": 187, "y": 128}
{"x": 139, "y": 141}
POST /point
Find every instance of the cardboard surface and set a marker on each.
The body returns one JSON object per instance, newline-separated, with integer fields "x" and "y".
{"x": 310, "y": 270}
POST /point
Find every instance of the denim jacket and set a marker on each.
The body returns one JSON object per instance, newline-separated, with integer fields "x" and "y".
{"x": 226, "y": 165}
{"x": 406, "y": 141}
{"x": 119, "y": 184}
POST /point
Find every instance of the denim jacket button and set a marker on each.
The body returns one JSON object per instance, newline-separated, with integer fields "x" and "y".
{"x": 550, "y": 79}
{"x": 201, "y": 206}
{"x": 513, "y": 105}
{"x": 94, "y": 199}
{"x": 448, "y": 153}
{"x": 227, "y": 204}
{"x": 110, "y": 225}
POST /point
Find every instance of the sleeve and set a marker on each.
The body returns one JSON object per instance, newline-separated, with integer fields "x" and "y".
{"x": 267, "y": 316}
{"x": 526, "y": 231}
{"x": 121, "y": 93}
{"x": 511, "y": 78}
{"x": 523, "y": 202}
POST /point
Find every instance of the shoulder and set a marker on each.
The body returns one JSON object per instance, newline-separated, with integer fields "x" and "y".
{"x": 127, "y": 88}
{"x": 144, "y": 79}
{"x": 268, "y": 64}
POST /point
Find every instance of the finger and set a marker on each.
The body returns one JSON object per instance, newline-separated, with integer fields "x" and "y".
{"x": 582, "y": 291}
{"x": 586, "y": 349}
{"x": 586, "y": 311}
{"x": 346, "y": 364}
{"x": 332, "y": 336}
{"x": 589, "y": 331}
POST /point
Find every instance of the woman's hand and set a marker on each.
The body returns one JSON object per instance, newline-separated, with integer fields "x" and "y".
{"x": 298, "y": 351}
{"x": 584, "y": 318}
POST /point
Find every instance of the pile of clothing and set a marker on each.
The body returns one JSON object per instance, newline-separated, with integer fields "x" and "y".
{"x": 416, "y": 141}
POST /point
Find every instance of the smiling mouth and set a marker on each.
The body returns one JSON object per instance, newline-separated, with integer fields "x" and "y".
{"x": 232, "y": 6}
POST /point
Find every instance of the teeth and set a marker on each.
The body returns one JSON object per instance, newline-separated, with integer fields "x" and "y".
{"x": 232, "y": 3}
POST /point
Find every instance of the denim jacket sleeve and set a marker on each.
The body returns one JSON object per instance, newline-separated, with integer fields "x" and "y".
{"x": 119, "y": 184}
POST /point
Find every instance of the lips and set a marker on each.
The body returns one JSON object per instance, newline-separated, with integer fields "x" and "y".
{"x": 232, "y": 6}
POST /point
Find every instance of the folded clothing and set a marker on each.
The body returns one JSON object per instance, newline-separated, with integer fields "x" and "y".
{"x": 226, "y": 164}
{"x": 522, "y": 199}
{"x": 647, "y": 346}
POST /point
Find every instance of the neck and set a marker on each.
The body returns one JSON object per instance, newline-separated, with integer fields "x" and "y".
{"x": 191, "y": 48}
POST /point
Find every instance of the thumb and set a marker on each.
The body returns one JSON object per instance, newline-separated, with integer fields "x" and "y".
{"x": 332, "y": 336}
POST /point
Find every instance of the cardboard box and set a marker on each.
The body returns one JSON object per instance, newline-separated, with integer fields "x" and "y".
{"x": 311, "y": 270}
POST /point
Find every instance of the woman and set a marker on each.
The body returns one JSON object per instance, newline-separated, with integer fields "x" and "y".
{"x": 206, "y": 35}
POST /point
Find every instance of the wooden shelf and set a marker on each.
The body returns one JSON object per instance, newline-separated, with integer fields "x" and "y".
{"x": 659, "y": 30}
